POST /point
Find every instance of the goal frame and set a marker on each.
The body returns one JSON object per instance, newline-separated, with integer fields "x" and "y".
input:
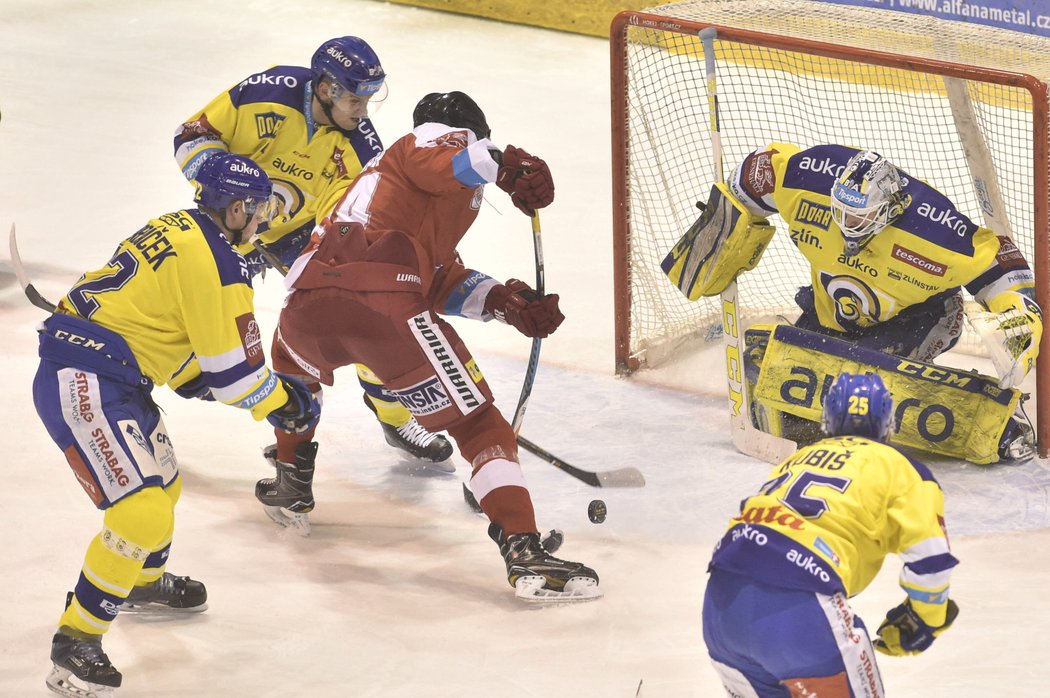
{"x": 625, "y": 362}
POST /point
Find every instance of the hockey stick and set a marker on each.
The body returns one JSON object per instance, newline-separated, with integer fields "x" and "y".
{"x": 32, "y": 294}
{"x": 534, "y": 354}
{"x": 621, "y": 477}
{"x": 269, "y": 255}
{"x": 746, "y": 438}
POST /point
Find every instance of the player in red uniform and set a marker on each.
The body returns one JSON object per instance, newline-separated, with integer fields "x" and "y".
{"x": 369, "y": 288}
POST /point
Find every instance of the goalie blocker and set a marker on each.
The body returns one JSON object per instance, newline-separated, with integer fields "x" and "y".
{"x": 938, "y": 409}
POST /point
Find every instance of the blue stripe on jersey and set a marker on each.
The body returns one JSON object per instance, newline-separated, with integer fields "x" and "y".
{"x": 991, "y": 275}
{"x": 933, "y": 564}
{"x": 463, "y": 169}
{"x": 230, "y": 264}
{"x": 932, "y": 217}
{"x": 283, "y": 84}
{"x": 816, "y": 169}
{"x": 937, "y": 597}
{"x": 922, "y": 470}
{"x": 229, "y": 376}
{"x": 365, "y": 141}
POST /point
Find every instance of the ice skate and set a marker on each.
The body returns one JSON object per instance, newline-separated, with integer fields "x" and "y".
{"x": 288, "y": 497}
{"x": 167, "y": 595}
{"x": 1017, "y": 443}
{"x": 537, "y": 576}
{"x": 81, "y": 669}
{"x": 417, "y": 442}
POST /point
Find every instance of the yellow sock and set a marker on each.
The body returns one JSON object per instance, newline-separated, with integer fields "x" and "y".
{"x": 388, "y": 410}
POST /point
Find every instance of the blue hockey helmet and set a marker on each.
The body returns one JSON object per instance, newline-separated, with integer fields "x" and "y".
{"x": 859, "y": 405}
{"x": 452, "y": 109}
{"x": 867, "y": 197}
{"x": 224, "y": 178}
{"x": 350, "y": 64}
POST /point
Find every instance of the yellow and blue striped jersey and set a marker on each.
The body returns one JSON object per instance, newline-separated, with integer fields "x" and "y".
{"x": 180, "y": 296}
{"x": 932, "y": 249}
{"x": 828, "y": 516}
{"x": 268, "y": 117}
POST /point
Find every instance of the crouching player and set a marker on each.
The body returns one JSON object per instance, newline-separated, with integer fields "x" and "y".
{"x": 174, "y": 300}
{"x": 888, "y": 255}
{"x": 776, "y": 616}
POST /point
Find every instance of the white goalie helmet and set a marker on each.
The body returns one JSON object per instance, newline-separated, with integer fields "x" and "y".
{"x": 868, "y": 196}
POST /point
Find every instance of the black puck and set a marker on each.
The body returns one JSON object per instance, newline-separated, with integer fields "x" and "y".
{"x": 597, "y": 511}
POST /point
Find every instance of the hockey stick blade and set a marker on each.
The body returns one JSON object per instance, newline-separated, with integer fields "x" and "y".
{"x": 32, "y": 294}
{"x": 622, "y": 477}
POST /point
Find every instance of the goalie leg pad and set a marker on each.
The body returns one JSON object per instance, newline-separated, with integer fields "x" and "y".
{"x": 723, "y": 242}
{"x": 938, "y": 409}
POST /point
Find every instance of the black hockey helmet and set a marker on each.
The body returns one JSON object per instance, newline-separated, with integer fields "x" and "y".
{"x": 452, "y": 109}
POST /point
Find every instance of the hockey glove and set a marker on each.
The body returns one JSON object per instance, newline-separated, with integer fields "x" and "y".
{"x": 526, "y": 178}
{"x": 1022, "y": 331}
{"x": 904, "y": 632}
{"x": 516, "y": 304}
{"x": 302, "y": 411}
{"x": 194, "y": 389}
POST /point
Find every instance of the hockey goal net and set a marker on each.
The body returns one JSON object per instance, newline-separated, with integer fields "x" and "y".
{"x": 927, "y": 93}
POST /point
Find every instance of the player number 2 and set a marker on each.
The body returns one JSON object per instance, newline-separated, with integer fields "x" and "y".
{"x": 124, "y": 267}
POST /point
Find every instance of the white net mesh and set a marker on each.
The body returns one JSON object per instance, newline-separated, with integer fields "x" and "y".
{"x": 792, "y": 94}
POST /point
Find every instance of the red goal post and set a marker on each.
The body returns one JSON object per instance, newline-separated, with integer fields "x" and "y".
{"x": 962, "y": 106}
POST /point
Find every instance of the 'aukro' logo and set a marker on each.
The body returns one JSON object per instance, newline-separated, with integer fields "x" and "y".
{"x": 825, "y": 166}
{"x": 949, "y": 218}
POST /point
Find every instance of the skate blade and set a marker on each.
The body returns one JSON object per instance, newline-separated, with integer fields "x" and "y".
{"x": 61, "y": 681}
{"x": 300, "y": 523}
{"x": 445, "y": 466}
{"x": 159, "y": 609}
{"x": 578, "y": 589}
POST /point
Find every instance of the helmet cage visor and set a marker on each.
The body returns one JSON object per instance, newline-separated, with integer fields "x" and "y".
{"x": 361, "y": 100}
{"x": 857, "y": 220}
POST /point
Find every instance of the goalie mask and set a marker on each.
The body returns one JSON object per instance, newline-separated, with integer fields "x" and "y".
{"x": 868, "y": 196}
{"x": 858, "y": 405}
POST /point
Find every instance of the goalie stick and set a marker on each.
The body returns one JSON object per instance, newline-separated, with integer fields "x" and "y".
{"x": 746, "y": 438}
{"x": 32, "y": 294}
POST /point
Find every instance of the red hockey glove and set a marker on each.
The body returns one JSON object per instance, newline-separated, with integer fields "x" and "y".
{"x": 518, "y": 305}
{"x": 527, "y": 179}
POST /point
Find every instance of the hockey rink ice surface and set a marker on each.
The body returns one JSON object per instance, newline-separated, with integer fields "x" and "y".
{"x": 399, "y": 592}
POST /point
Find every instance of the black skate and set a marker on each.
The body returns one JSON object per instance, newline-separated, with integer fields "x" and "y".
{"x": 537, "y": 576}
{"x": 81, "y": 669}
{"x": 167, "y": 595}
{"x": 288, "y": 497}
{"x": 1017, "y": 443}
{"x": 416, "y": 441}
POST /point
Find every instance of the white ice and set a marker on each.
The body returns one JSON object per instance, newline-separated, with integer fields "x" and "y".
{"x": 399, "y": 592}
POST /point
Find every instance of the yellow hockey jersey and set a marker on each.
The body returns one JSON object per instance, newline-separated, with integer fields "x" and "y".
{"x": 831, "y": 512}
{"x": 933, "y": 249}
{"x": 180, "y": 296}
{"x": 268, "y": 117}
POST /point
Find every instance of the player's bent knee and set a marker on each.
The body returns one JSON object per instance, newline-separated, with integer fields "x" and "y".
{"x": 483, "y": 429}
{"x": 138, "y": 523}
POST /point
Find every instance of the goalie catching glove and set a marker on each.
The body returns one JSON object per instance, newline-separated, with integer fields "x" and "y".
{"x": 904, "y": 632}
{"x": 725, "y": 241}
{"x": 516, "y": 304}
{"x": 1011, "y": 337}
{"x": 526, "y": 178}
{"x": 302, "y": 411}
